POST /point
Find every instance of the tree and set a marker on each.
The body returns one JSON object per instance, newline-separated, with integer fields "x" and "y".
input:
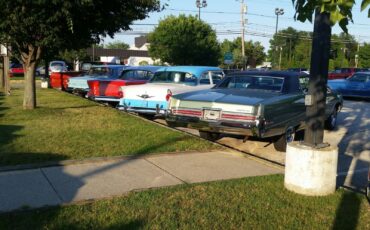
{"x": 254, "y": 52}
{"x": 184, "y": 40}
{"x": 288, "y": 39}
{"x": 364, "y": 55}
{"x": 117, "y": 45}
{"x": 327, "y": 13}
{"x": 35, "y": 26}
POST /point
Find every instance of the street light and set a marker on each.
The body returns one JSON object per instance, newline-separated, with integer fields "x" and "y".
{"x": 277, "y": 13}
{"x": 200, "y": 4}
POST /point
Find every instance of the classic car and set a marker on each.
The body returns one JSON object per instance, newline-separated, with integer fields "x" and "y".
{"x": 79, "y": 84}
{"x": 57, "y": 66}
{"x": 358, "y": 85}
{"x": 260, "y": 104}
{"x": 343, "y": 73}
{"x": 59, "y": 80}
{"x": 16, "y": 69}
{"x": 152, "y": 98}
{"x": 108, "y": 90}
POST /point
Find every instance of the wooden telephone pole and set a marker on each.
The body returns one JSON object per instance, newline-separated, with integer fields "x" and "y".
{"x": 316, "y": 97}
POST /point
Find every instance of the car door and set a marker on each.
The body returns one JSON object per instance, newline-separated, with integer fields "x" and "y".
{"x": 355, "y": 86}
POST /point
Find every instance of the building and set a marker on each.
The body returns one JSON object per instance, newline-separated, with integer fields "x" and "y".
{"x": 136, "y": 55}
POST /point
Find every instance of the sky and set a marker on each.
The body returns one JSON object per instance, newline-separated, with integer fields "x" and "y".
{"x": 224, "y": 16}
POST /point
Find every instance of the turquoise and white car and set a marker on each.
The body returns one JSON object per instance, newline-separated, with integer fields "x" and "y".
{"x": 79, "y": 84}
{"x": 152, "y": 98}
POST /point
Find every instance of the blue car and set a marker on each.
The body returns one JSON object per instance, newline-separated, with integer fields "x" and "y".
{"x": 79, "y": 84}
{"x": 358, "y": 85}
{"x": 152, "y": 98}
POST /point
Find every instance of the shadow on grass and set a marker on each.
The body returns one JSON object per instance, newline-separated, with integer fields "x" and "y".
{"x": 347, "y": 213}
{"x": 69, "y": 107}
{"x": 7, "y": 133}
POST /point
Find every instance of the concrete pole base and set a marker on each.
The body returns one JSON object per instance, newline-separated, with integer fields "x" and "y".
{"x": 309, "y": 171}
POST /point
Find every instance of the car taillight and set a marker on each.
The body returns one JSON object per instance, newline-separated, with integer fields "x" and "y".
{"x": 169, "y": 94}
{"x": 242, "y": 117}
{"x": 120, "y": 93}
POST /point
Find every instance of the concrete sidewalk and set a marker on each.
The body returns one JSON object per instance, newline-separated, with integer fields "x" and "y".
{"x": 77, "y": 182}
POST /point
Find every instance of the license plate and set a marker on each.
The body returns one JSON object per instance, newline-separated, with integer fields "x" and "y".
{"x": 211, "y": 114}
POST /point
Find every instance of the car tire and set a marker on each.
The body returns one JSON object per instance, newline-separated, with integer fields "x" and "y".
{"x": 331, "y": 122}
{"x": 171, "y": 124}
{"x": 209, "y": 136}
{"x": 288, "y": 136}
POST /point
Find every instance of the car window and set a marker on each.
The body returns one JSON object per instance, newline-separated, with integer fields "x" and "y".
{"x": 204, "y": 79}
{"x": 303, "y": 83}
{"x": 254, "y": 82}
{"x": 359, "y": 78}
{"x": 217, "y": 76}
{"x": 143, "y": 75}
{"x": 104, "y": 72}
{"x": 174, "y": 77}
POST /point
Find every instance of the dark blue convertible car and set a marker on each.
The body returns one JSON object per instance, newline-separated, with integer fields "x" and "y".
{"x": 358, "y": 85}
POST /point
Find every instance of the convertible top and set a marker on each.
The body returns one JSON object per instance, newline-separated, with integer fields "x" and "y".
{"x": 291, "y": 79}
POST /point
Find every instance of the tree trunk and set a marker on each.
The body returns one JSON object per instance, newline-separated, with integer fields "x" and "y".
{"x": 29, "y": 99}
{"x": 2, "y": 73}
{"x": 315, "y": 113}
{"x": 6, "y": 75}
{"x": 30, "y": 61}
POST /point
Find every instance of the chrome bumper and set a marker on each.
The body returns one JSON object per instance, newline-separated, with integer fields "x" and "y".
{"x": 157, "y": 111}
{"x": 109, "y": 99}
{"x": 220, "y": 126}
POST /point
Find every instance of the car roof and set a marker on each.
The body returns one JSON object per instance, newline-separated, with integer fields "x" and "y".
{"x": 291, "y": 78}
{"x": 145, "y": 67}
{"x": 195, "y": 70}
{"x": 109, "y": 66}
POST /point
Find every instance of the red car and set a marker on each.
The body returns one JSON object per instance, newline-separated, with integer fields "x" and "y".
{"x": 59, "y": 80}
{"x": 110, "y": 90}
{"x": 343, "y": 73}
{"x": 16, "y": 69}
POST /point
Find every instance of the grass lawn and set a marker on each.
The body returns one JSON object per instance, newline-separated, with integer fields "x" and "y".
{"x": 21, "y": 77}
{"x": 68, "y": 127}
{"x": 251, "y": 203}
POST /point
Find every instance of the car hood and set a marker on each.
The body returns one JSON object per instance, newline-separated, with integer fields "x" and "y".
{"x": 337, "y": 84}
{"x": 229, "y": 96}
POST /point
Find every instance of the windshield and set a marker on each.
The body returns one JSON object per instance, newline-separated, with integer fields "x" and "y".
{"x": 174, "y": 77}
{"x": 359, "y": 77}
{"x": 103, "y": 72}
{"x": 253, "y": 82}
{"x": 136, "y": 75}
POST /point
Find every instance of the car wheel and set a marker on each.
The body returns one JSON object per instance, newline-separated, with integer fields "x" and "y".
{"x": 171, "y": 124}
{"x": 209, "y": 136}
{"x": 281, "y": 142}
{"x": 331, "y": 122}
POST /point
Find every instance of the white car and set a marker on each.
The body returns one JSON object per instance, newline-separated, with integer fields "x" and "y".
{"x": 152, "y": 98}
{"x": 57, "y": 66}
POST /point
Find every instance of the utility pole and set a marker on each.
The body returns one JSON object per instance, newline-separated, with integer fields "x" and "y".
{"x": 243, "y": 10}
{"x": 315, "y": 100}
{"x": 199, "y": 5}
{"x": 358, "y": 52}
{"x": 278, "y": 12}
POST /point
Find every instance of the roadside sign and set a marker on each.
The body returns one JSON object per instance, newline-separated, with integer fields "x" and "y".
{"x": 4, "y": 51}
{"x": 228, "y": 58}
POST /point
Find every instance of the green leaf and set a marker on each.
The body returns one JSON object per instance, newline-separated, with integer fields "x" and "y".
{"x": 343, "y": 23}
{"x": 364, "y": 4}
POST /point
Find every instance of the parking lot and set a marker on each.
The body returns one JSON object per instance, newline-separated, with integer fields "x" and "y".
{"x": 352, "y": 136}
